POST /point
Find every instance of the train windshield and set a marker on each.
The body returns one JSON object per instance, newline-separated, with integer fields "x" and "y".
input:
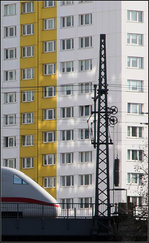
{"x": 18, "y": 180}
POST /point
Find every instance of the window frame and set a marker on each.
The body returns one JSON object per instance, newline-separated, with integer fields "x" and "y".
{"x": 7, "y": 98}
{"x": 49, "y": 182}
{"x": 64, "y": 181}
{"x": 7, "y": 75}
{"x": 130, "y": 18}
{"x": 25, "y": 29}
{"x": 46, "y": 137}
{"x": 65, "y": 91}
{"x": 45, "y": 4}
{"x": 25, "y": 140}
{"x": 67, "y": 135}
{"x": 65, "y": 45}
{"x": 26, "y": 7}
{"x": 63, "y": 158}
{"x": 46, "y": 49}
{"x": 25, "y": 95}
{"x": 139, "y": 85}
{"x": 46, "y": 68}
{"x": 6, "y": 162}
{"x": 24, "y": 163}
{"x": 64, "y": 21}
{"x": 25, "y": 74}
{"x": 46, "y": 91}
{"x": 46, "y": 24}
{"x": 7, "y": 31}
{"x": 137, "y": 106}
{"x": 46, "y": 115}
{"x": 82, "y": 19}
{"x": 83, "y": 178}
{"x": 8, "y": 10}
{"x": 8, "y": 143}
{"x": 7, "y": 53}
{"x": 26, "y": 118}
{"x": 64, "y": 112}
{"x": 49, "y": 159}
{"x": 25, "y": 50}
{"x": 7, "y": 118}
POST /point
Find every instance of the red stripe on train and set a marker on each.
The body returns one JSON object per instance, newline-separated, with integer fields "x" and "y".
{"x": 27, "y": 200}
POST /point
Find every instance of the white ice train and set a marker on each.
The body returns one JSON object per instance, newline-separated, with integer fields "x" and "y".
{"x": 20, "y": 194}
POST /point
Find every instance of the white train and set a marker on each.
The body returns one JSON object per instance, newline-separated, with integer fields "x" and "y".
{"x": 20, "y": 194}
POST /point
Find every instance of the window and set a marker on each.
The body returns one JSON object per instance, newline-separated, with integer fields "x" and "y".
{"x": 135, "y": 39}
{"x": 135, "y": 132}
{"x": 135, "y": 85}
{"x": 28, "y": 96}
{"x": 49, "y": 46}
{"x": 67, "y": 67}
{"x": 49, "y": 182}
{"x": 27, "y": 73}
{"x": 84, "y": 133}
{"x": 85, "y": 42}
{"x": 27, "y": 118}
{"x": 66, "y": 158}
{"x": 85, "y": 110}
{"x": 10, "y": 53}
{"x": 85, "y": 19}
{"x": 66, "y": 2}
{"x": 67, "y": 21}
{"x": 49, "y": 69}
{"x": 135, "y": 62}
{"x": 135, "y": 16}
{"x": 49, "y": 114}
{"x": 10, "y": 31}
{"x": 49, "y": 137}
{"x": 18, "y": 180}
{"x": 27, "y": 163}
{"x": 10, "y": 75}
{"x": 48, "y": 4}
{"x": 49, "y": 24}
{"x": 85, "y": 156}
{"x": 67, "y": 89}
{"x": 66, "y": 203}
{"x": 10, "y": 119}
{"x": 10, "y": 10}
{"x": 85, "y": 202}
{"x": 49, "y": 91}
{"x": 9, "y": 142}
{"x": 135, "y": 155}
{"x": 85, "y": 180}
{"x": 67, "y": 44}
{"x": 48, "y": 159}
{"x": 28, "y": 29}
{"x": 67, "y": 112}
{"x": 67, "y": 180}
{"x": 134, "y": 178}
{"x": 85, "y": 88}
{"x": 28, "y": 7}
{"x": 85, "y": 65}
{"x": 28, "y": 51}
{"x": 9, "y": 163}
{"x": 67, "y": 135}
{"x": 27, "y": 140}
{"x": 137, "y": 201}
{"x": 134, "y": 108}
{"x": 9, "y": 98}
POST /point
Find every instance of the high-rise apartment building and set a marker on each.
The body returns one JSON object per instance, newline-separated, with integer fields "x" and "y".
{"x": 50, "y": 59}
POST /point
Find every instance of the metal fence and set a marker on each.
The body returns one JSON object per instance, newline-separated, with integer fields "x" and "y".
{"x": 70, "y": 210}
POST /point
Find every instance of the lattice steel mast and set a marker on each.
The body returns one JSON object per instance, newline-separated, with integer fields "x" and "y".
{"x": 102, "y": 191}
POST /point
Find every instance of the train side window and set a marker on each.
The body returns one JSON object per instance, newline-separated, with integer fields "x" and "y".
{"x": 18, "y": 180}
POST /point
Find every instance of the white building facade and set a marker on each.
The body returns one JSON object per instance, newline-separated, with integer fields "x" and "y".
{"x": 79, "y": 25}
{"x": 10, "y": 83}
